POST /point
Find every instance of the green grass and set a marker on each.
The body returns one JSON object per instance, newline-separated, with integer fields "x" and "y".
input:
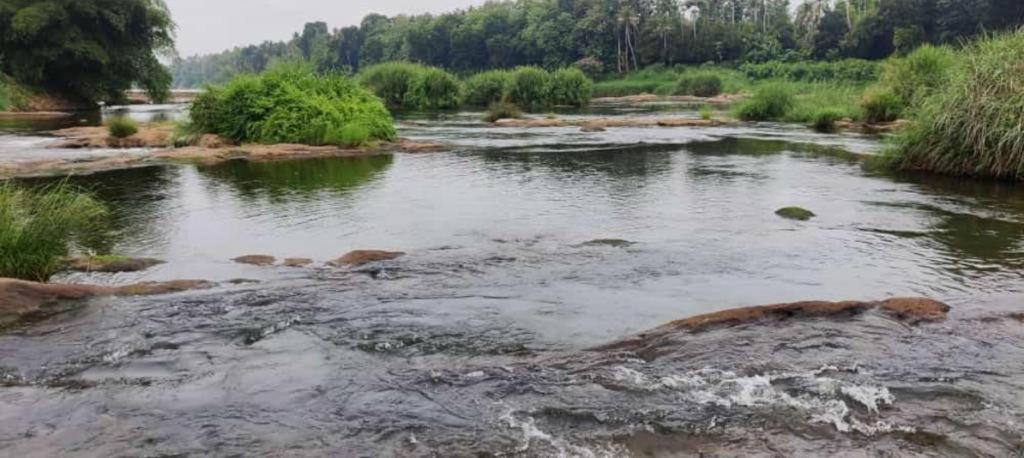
{"x": 122, "y": 127}
{"x": 502, "y": 110}
{"x": 850, "y": 71}
{"x": 770, "y": 102}
{"x": 974, "y": 125}
{"x": 409, "y": 86}
{"x": 824, "y": 119}
{"x": 4, "y": 95}
{"x": 483, "y": 89}
{"x": 292, "y": 104}
{"x": 570, "y": 87}
{"x": 881, "y": 104}
{"x": 699, "y": 84}
{"x": 530, "y": 88}
{"x": 674, "y": 81}
{"x": 38, "y": 228}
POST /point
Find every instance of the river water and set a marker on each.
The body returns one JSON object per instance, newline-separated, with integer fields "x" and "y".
{"x": 478, "y": 341}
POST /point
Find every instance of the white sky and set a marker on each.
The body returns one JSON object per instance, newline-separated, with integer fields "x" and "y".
{"x": 206, "y": 26}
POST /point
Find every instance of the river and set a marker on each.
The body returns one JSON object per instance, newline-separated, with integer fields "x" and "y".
{"x": 479, "y": 341}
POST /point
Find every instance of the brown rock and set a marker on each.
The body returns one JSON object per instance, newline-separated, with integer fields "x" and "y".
{"x": 167, "y": 287}
{"x": 297, "y": 262}
{"x": 916, "y": 309}
{"x": 212, "y": 141}
{"x": 360, "y": 257}
{"x": 256, "y": 260}
{"x": 1017, "y": 316}
{"x": 148, "y": 136}
{"x": 111, "y": 264}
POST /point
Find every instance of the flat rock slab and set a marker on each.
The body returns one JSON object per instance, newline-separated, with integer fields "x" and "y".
{"x": 297, "y": 262}
{"x": 256, "y": 260}
{"x": 111, "y": 264}
{"x": 361, "y": 257}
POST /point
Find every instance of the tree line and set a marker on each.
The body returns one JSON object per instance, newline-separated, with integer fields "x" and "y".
{"x": 621, "y": 35}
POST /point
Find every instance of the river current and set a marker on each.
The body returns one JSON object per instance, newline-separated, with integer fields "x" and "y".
{"x": 527, "y": 248}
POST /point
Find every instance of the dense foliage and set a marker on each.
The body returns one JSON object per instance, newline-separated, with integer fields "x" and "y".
{"x": 122, "y": 127}
{"x": 600, "y": 36}
{"x": 849, "y": 70}
{"x": 485, "y": 88}
{"x": 291, "y": 104}
{"x": 88, "y": 50}
{"x": 975, "y": 124}
{"x": 411, "y": 86}
{"x": 39, "y": 227}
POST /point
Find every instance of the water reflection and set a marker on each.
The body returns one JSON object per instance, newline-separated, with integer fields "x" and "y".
{"x": 280, "y": 180}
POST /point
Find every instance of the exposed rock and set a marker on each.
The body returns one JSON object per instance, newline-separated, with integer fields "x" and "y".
{"x": 617, "y": 243}
{"x": 721, "y": 99}
{"x": 604, "y": 123}
{"x": 256, "y": 260}
{"x": 212, "y": 141}
{"x": 360, "y": 257}
{"x": 415, "y": 146}
{"x": 111, "y": 264}
{"x": 795, "y": 213}
{"x": 1017, "y": 316}
{"x": 297, "y": 262}
{"x": 911, "y": 310}
{"x": 19, "y": 297}
{"x": 148, "y": 136}
{"x": 242, "y": 281}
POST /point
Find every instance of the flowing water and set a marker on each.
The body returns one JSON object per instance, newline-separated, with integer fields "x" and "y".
{"x": 479, "y": 341}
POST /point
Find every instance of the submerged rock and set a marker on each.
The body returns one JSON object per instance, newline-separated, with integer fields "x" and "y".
{"x": 360, "y": 257}
{"x": 256, "y": 260}
{"x": 592, "y": 128}
{"x": 297, "y": 262}
{"x": 617, "y": 243}
{"x": 795, "y": 213}
{"x": 111, "y": 264}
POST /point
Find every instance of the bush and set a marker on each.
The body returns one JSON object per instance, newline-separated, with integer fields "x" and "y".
{"x": 291, "y": 104}
{"x": 571, "y": 87}
{"x": 483, "y": 89}
{"x": 848, "y": 70}
{"x": 824, "y": 120}
{"x": 122, "y": 127}
{"x": 409, "y": 86}
{"x": 769, "y": 102}
{"x": 973, "y": 126}
{"x": 502, "y": 110}
{"x": 39, "y": 228}
{"x": 531, "y": 88}
{"x": 916, "y": 76}
{"x": 699, "y": 84}
{"x": 881, "y": 105}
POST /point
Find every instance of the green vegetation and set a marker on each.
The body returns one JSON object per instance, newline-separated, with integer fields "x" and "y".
{"x": 706, "y": 112}
{"x": 5, "y": 97}
{"x": 649, "y": 81}
{"x": 881, "y": 105}
{"x": 291, "y": 104}
{"x": 122, "y": 127}
{"x": 824, "y": 119}
{"x": 917, "y": 75}
{"x": 974, "y": 125}
{"x": 531, "y": 88}
{"x": 409, "y": 86}
{"x": 86, "y": 50}
{"x": 795, "y": 213}
{"x": 38, "y": 228}
{"x": 571, "y": 87}
{"x": 700, "y": 84}
{"x": 769, "y": 102}
{"x": 621, "y": 37}
{"x": 502, "y": 110}
{"x": 483, "y": 89}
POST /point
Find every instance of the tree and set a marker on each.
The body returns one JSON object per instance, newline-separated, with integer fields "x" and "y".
{"x": 89, "y": 50}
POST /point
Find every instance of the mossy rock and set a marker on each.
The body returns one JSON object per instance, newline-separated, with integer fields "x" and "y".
{"x": 111, "y": 264}
{"x": 795, "y": 213}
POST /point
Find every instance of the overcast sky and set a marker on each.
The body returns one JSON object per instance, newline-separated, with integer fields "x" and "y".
{"x": 206, "y": 26}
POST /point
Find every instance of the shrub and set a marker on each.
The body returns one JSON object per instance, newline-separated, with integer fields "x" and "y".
{"x": 916, "y": 76}
{"x": 38, "y": 228}
{"x": 769, "y": 102}
{"x": 483, "y": 89}
{"x": 348, "y": 135}
{"x": 881, "y": 105}
{"x": 502, "y": 110}
{"x": 571, "y": 87}
{"x": 848, "y": 70}
{"x": 974, "y": 125}
{"x": 706, "y": 113}
{"x": 290, "y": 104}
{"x": 592, "y": 66}
{"x": 122, "y": 127}
{"x": 824, "y": 120}
{"x": 699, "y": 84}
{"x": 404, "y": 85}
{"x": 185, "y": 133}
{"x": 531, "y": 88}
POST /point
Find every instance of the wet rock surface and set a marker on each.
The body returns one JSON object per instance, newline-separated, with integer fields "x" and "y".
{"x": 298, "y": 262}
{"x": 256, "y": 260}
{"x": 111, "y": 264}
{"x": 795, "y": 213}
{"x": 361, "y": 257}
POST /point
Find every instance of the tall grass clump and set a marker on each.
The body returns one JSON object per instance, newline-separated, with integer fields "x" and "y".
{"x": 4, "y": 96}
{"x": 700, "y": 84}
{"x": 571, "y": 87}
{"x": 824, "y": 119}
{"x": 483, "y": 89}
{"x": 648, "y": 81}
{"x": 38, "y": 228}
{"x": 920, "y": 73}
{"x": 122, "y": 127}
{"x": 846, "y": 71}
{"x": 291, "y": 104}
{"x": 974, "y": 126}
{"x": 530, "y": 88}
{"x": 769, "y": 102}
{"x": 881, "y": 104}
{"x": 502, "y": 110}
{"x": 409, "y": 86}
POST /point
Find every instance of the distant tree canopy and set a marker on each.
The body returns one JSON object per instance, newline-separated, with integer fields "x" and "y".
{"x": 91, "y": 50}
{"x": 623, "y": 35}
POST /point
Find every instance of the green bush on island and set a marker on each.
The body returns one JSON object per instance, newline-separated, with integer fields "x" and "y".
{"x": 292, "y": 104}
{"x": 409, "y": 86}
{"x": 530, "y": 88}
{"x": 485, "y": 88}
{"x": 38, "y": 228}
{"x": 122, "y": 127}
{"x": 824, "y": 119}
{"x": 974, "y": 125}
{"x": 700, "y": 84}
{"x": 770, "y": 102}
{"x": 571, "y": 87}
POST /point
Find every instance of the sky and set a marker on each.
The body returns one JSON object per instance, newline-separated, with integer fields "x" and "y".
{"x": 206, "y": 26}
